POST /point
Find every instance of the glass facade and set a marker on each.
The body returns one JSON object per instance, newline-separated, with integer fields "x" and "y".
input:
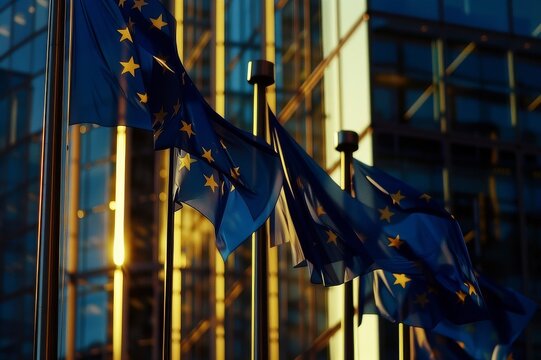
{"x": 454, "y": 112}
{"x": 452, "y": 105}
{"x": 22, "y": 61}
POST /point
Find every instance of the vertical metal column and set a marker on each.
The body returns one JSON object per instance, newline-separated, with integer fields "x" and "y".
{"x": 261, "y": 75}
{"x": 168, "y": 271}
{"x": 346, "y": 143}
{"x": 47, "y": 267}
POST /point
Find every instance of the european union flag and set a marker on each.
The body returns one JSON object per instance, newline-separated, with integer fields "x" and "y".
{"x": 428, "y": 345}
{"x": 339, "y": 237}
{"x": 315, "y": 215}
{"x": 416, "y": 230}
{"x": 125, "y": 70}
{"x": 509, "y": 314}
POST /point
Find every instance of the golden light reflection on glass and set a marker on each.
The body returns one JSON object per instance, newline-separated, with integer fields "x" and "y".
{"x": 118, "y": 285}
{"x": 118, "y": 240}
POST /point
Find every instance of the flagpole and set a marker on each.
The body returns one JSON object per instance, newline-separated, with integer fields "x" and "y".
{"x": 48, "y": 241}
{"x": 168, "y": 271}
{"x": 346, "y": 143}
{"x": 261, "y": 75}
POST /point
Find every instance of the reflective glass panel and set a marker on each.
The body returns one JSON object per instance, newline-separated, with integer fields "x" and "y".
{"x": 527, "y": 17}
{"x": 527, "y": 75}
{"x": 477, "y": 89}
{"x": 427, "y": 9}
{"x": 403, "y": 89}
{"x": 484, "y": 196}
{"x": 485, "y": 14}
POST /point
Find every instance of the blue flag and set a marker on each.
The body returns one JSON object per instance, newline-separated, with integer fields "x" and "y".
{"x": 509, "y": 314}
{"x": 125, "y": 70}
{"x": 414, "y": 258}
{"x": 314, "y": 215}
{"x": 416, "y": 229}
{"x": 428, "y": 345}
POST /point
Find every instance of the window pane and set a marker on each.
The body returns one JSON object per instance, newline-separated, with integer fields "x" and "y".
{"x": 36, "y": 116}
{"x": 484, "y": 194}
{"x": 527, "y": 74}
{"x": 5, "y": 29}
{"x": 527, "y": 17}
{"x": 485, "y": 14}
{"x": 22, "y": 20}
{"x": 403, "y": 90}
{"x": 427, "y": 9}
{"x": 478, "y": 92}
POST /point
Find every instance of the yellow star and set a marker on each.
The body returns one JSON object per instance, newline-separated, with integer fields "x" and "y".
{"x": 159, "y": 117}
{"x": 232, "y": 187}
{"x": 385, "y": 214}
{"x": 401, "y": 279}
{"x": 425, "y": 197}
{"x": 332, "y": 237}
{"x": 129, "y": 66}
{"x": 234, "y": 172}
{"x": 397, "y": 197}
{"x": 471, "y": 288}
{"x": 395, "y": 242}
{"x": 421, "y": 299}
{"x": 461, "y": 296}
{"x": 207, "y": 154}
{"x": 187, "y": 128}
{"x": 320, "y": 211}
{"x": 158, "y": 22}
{"x": 176, "y": 107}
{"x": 138, "y": 4}
{"x": 125, "y": 34}
{"x": 121, "y": 3}
{"x": 210, "y": 182}
{"x": 143, "y": 98}
{"x": 186, "y": 162}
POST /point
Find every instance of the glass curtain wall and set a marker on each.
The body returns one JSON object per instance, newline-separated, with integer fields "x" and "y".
{"x": 22, "y": 63}
{"x": 454, "y": 100}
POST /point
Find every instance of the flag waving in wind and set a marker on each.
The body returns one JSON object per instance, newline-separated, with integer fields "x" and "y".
{"x": 420, "y": 274}
{"x": 509, "y": 314}
{"x": 125, "y": 70}
{"x": 314, "y": 215}
{"x": 415, "y": 228}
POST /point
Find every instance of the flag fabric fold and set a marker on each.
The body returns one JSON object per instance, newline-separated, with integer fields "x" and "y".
{"x": 509, "y": 314}
{"x": 314, "y": 215}
{"x": 416, "y": 229}
{"x": 125, "y": 70}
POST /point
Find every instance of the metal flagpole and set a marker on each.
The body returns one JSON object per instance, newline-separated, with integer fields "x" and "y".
{"x": 261, "y": 75}
{"x": 48, "y": 242}
{"x": 346, "y": 143}
{"x": 168, "y": 271}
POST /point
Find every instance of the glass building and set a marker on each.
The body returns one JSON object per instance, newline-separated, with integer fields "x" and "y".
{"x": 445, "y": 94}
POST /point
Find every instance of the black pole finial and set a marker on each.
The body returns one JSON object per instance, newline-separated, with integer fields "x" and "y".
{"x": 346, "y": 141}
{"x": 260, "y": 72}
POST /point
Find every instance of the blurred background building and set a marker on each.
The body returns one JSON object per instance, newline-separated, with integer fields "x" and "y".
{"x": 446, "y": 95}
